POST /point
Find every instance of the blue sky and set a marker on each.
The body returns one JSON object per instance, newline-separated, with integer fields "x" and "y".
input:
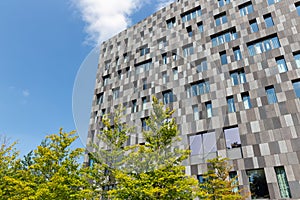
{"x": 42, "y": 46}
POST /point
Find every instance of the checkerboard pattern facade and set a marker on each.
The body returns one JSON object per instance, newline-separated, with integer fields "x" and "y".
{"x": 181, "y": 46}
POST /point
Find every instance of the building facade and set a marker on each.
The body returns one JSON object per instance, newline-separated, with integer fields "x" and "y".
{"x": 231, "y": 70}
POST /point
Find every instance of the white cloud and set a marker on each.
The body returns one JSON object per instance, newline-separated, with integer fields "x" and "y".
{"x": 163, "y": 3}
{"x": 25, "y": 93}
{"x": 105, "y": 18}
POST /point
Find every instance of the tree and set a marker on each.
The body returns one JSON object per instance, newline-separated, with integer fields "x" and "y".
{"x": 109, "y": 155}
{"x": 51, "y": 172}
{"x": 154, "y": 171}
{"x": 9, "y": 163}
{"x": 217, "y": 184}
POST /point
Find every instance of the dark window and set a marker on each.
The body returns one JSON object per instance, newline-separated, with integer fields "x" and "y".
{"x": 283, "y": 182}
{"x": 134, "y": 106}
{"x": 99, "y": 98}
{"x": 144, "y": 102}
{"x": 258, "y": 184}
{"x": 233, "y": 175}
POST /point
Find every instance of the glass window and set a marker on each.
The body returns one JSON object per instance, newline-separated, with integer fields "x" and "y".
{"x": 200, "y": 88}
{"x": 221, "y": 19}
{"x": 230, "y": 103}
{"x": 202, "y": 66}
{"x": 203, "y": 143}
{"x": 188, "y": 51}
{"x": 134, "y": 106}
{"x": 238, "y": 77}
{"x": 232, "y": 137}
{"x": 208, "y": 106}
{"x": 253, "y": 26}
{"x": 223, "y": 2}
{"x": 281, "y": 64}
{"x": 99, "y": 98}
{"x": 144, "y": 84}
{"x": 200, "y": 27}
{"x": 105, "y": 80}
{"x": 223, "y": 58}
{"x": 246, "y": 9}
{"x": 297, "y": 59}
{"x": 171, "y": 23}
{"x": 296, "y": 86}
{"x": 144, "y": 102}
{"x": 298, "y": 9}
{"x": 165, "y": 59}
{"x": 270, "y": 2}
{"x": 145, "y": 127}
{"x": 192, "y": 14}
{"x": 196, "y": 112}
{"x": 175, "y": 73}
{"x": 268, "y": 20}
{"x": 237, "y": 53}
{"x": 271, "y": 95}
{"x": 144, "y": 51}
{"x": 246, "y": 100}
{"x": 116, "y": 93}
{"x": 127, "y": 72}
{"x": 258, "y": 184}
{"x": 233, "y": 175}
{"x": 143, "y": 67}
{"x": 224, "y": 37}
{"x": 263, "y": 46}
{"x": 168, "y": 97}
{"x": 190, "y": 31}
{"x": 164, "y": 77}
{"x": 283, "y": 182}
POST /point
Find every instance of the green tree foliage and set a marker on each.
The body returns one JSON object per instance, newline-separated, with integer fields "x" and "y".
{"x": 154, "y": 171}
{"x": 8, "y": 165}
{"x": 217, "y": 184}
{"x": 51, "y": 172}
{"x": 109, "y": 155}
